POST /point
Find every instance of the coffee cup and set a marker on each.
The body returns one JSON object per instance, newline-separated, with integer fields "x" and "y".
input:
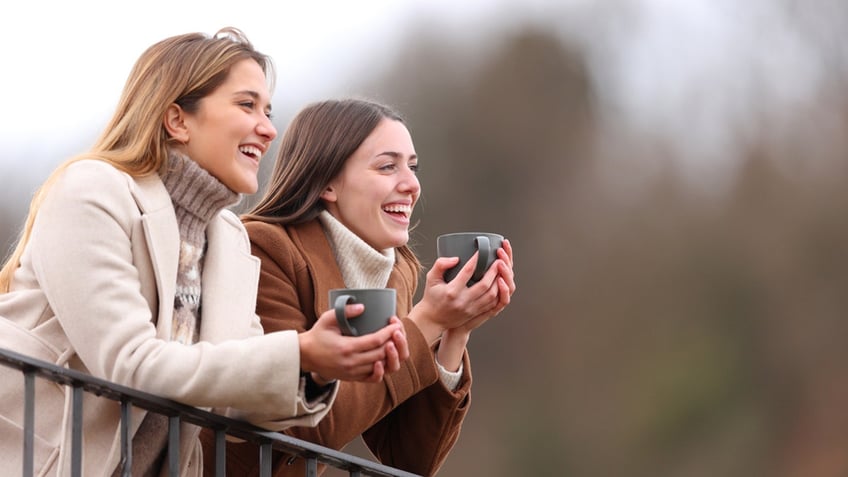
{"x": 464, "y": 245}
{"x": 380, "y": 305}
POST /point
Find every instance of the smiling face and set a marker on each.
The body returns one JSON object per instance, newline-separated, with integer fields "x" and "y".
{"x": 377, "y": 188}
{"x": 231, "y": 129}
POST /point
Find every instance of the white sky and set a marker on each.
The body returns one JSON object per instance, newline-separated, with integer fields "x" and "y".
{"x": 65, "y": 61}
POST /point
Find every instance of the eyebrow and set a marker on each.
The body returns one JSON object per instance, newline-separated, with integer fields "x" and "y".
{"x": 396, "y": 155}
{"x": 252, "y": 94}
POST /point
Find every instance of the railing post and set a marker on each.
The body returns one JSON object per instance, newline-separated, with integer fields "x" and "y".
{"x": 174, "y": 446}
{"x": 76, "y": 431}
{"x": 220, "y": 453}
{"x": 126, "y": 440}
{"x": 311, "y": 467}
{"x": 29, "y": 421}
{"x": 265, "y": 459}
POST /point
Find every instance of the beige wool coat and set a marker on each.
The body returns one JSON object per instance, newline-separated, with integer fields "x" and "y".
{"x": 95, "y": 292}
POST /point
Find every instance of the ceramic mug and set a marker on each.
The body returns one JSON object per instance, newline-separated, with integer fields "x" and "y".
{"x": 464, "y": 245}
{"x": 380, "y": 305}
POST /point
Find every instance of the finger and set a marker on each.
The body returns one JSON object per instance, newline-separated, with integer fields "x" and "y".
{"x": 375, "y": 340}
{"x": 402, "y": 345}
{"x": 467, "y": 270}
{"x": 504, "y": 294}
{"x": 506, "y": 246}
{"x": 328, "y": 318}
{"x": 488, "y": 279}
{"x": 392, "y": 358}
{"x": 488, "y": 299}
{"x": 508, "y": 276}
{"x": 377, "y": 373}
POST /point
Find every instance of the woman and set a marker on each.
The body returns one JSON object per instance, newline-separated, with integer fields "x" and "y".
{"x": 336, "y": 214}
{"x": 129, "y": 268}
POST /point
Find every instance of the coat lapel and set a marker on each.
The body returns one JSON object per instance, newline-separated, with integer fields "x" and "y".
{"x": 320, "y": 261}
{"x": 163, "y": 241}
{"x": 325, "y": 271}
{"x": 229, "y": 283}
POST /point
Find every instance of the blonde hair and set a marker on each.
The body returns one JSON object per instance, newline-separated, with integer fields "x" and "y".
{"x": 180, "y": 70}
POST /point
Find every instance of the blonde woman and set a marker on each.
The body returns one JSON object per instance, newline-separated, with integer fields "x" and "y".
{"x": 130, "y": 268}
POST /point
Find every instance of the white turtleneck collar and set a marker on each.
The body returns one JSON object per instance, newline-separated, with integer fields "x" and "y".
{"x": 361, "y": 265}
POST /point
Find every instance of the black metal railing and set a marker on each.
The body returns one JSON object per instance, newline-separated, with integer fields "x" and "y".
{"x": 267, "y": 441}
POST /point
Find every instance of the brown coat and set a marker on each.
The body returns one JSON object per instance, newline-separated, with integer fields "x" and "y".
{"x": 409, "y": 421}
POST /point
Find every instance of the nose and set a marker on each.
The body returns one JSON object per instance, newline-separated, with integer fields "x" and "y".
{"x": 266, "y": 128}
{"x": 409, "y": 181}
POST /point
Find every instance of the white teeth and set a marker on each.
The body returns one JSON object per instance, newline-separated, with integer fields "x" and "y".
{"x": 251, "y": 151}
{"x": 402, "y": 209}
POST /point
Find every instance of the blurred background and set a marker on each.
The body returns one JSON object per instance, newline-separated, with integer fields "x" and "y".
{"x": 671, "y": 176}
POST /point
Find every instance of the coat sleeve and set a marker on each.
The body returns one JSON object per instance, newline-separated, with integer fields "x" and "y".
{"x": 409, "y": 420}
{"x": 82, "y": 246}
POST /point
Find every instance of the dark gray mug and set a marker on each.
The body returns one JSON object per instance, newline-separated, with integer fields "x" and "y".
{"x": 464, "y": 245}
{"x": 380, "y": 305}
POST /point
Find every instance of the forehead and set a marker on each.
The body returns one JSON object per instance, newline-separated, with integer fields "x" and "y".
{"x": 390, "y": 135}
{"x": 246, "y": 76}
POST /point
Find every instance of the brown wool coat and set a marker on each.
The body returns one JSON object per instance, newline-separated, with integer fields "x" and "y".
{"x": 409, "y": 421}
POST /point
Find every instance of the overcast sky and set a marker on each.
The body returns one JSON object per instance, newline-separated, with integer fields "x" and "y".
{"x": 65, "y": 62}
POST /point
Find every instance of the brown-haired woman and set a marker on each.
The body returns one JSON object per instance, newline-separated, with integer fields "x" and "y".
{"x": 336, "y": 214}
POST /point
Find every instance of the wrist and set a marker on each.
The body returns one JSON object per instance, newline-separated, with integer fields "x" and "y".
{"x": 429, "y": 329}
{"x": 320, "y": 380}
{"x": 451, "y": 349}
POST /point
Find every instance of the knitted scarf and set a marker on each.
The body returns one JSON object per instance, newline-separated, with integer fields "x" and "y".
{"x": 197, "y": 197}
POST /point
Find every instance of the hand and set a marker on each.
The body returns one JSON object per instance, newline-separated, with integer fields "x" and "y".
{"x": 397, "y": 351}
{"x": 454, "y": 340}
{"x": 451, "y": 305}
{"x": 327, "y": 353}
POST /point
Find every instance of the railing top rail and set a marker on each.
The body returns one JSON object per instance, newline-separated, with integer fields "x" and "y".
{"x": 193, "y": 415}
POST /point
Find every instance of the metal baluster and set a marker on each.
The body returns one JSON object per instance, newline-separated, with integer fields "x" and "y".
{"x": 126, "y": 441}
{"x": 311, "y": 467}
{"x": 76, "y": 432}
{"x": 29, "y": 422}
{"x": 174, "y": 446}
{"x": 265, "y": 459}
{"x": 220, "y": 453}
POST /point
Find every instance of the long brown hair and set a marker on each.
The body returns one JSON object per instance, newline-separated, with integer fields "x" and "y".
{"x": 313, "y": 150}
{"x": 181, "y": 69}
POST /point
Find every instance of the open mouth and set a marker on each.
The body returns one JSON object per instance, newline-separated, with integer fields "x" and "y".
{"x": 398, "y": 210}
{"x": 251, "y": 151}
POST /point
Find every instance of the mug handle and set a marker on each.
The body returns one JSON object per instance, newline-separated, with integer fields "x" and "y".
{"x": 339, "y": 307}
{"x": 484, "y": 254}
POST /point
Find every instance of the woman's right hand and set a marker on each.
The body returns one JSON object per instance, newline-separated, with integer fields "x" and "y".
{"x": 447, "y": 305}
{"x": 330, "y": 355}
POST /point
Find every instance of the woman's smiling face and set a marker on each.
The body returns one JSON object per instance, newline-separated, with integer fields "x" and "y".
{"x": 232, "y": 130}
{"x": 377, "y": 188}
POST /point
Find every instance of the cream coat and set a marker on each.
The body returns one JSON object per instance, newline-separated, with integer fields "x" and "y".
{"x": 95, "y": 293}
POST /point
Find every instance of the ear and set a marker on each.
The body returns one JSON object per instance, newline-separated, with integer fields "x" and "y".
{"x": 329, "y": 194}
{"x": 175, "y": 124}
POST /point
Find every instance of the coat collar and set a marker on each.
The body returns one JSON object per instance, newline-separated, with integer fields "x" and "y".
{"x": 325, "y": 273}
{"x": 230, "y": 272}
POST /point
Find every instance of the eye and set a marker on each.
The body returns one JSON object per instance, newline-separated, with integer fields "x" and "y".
{"x": 413, "y": 167}
{"x": 388, "y": 167}
{"x": 247, "y": 104}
